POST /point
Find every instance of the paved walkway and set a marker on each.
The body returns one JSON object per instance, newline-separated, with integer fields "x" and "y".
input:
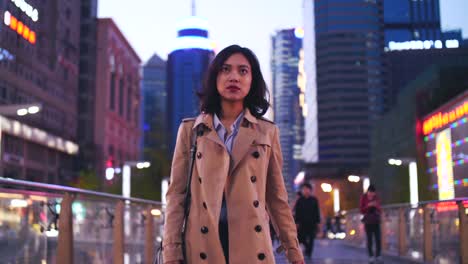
{"x": 336, "y": 252}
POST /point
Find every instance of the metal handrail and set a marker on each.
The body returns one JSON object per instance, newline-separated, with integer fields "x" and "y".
{"x": 60, "y": 188}
{"x": 419, "y": 204}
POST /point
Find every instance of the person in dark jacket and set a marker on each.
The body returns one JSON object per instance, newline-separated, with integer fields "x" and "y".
{"x": 307, "y": 215}
{"x": 370, "y": 208}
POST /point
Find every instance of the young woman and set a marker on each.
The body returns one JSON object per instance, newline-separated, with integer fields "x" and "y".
{"x": 370, "y": 208}
{"x": 237, "y": 183}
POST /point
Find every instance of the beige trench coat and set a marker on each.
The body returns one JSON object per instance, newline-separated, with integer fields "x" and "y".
{"x": 254, "y": 190}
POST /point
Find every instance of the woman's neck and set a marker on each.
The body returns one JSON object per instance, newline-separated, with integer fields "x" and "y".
{"x": 230, "y": 111}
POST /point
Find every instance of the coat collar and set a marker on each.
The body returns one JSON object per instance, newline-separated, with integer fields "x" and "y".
{"x": 207, "y": 119}
{"x": 245, "y": 138}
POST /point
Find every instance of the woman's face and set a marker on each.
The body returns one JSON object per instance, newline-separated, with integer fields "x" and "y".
{"x": 234, "y": 79}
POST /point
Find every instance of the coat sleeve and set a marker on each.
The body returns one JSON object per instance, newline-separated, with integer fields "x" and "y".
{"x": 277, "y": 201}
{"x": 172, "y": 241}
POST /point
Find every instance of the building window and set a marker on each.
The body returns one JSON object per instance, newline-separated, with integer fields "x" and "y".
{"x": 112, "y": 91}
{"x": 121, "y": 97}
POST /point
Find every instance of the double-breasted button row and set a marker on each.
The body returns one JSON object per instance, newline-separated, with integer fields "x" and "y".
{"x": 199, "y": 155}
{"x": 253, "y": 179}
{"x": 258, "y": 228}
{"x": 256, "y": 154}
{"x": 204, "y": 230}
{"x": 261, "y": 256}
{"x": 256, "y": 203}
{"x": 203, "y": 255}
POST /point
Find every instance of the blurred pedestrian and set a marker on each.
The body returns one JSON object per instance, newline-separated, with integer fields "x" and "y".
{"x": 307, "y": 218}
{"x": 370, "y": 208}
{"x": 236, "y": 179}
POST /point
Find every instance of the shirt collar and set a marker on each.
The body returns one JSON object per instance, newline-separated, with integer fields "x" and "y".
{"x": 217, "y": 122}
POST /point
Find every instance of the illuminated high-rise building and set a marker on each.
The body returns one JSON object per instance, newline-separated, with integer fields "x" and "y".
{"x": 288, "y": 88}
{"x": 343, "y": 45}
{"x": 186, "y": 67}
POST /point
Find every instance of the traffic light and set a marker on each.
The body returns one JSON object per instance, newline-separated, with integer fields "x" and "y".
{"x": 110, "y": 169}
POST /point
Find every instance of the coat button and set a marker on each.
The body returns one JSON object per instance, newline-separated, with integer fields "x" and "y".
{"x": 204, "y": 230}
{"x": 203, "y": 255}
{"x": 199, "y": 155}
{"x": 199, "y": 179}
{"x": 258, "y": 229}
{"x": 204, "y": 205}
{"x": 256, "y": 203}
{"x": 253, "y": 179}
{"x": 256, "y": 154}
{"x": 261, "y": 256}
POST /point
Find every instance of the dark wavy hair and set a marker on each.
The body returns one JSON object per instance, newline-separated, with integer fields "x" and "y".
{"x": 257, "y": 100}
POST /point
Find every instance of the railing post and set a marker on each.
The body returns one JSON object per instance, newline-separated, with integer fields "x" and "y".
{"x": 65, "y": 235}
{"x": 149, "y": 235}
{"x": 463, "y": 229}
{"x": 383, "y": 230}
{"x": 119, "y": 239}
{"x": 402, "y": 245}
{"x": 427, "y": 242}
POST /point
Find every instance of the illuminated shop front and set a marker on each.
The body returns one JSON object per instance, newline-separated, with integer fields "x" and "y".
{"x": 446, "y": 139}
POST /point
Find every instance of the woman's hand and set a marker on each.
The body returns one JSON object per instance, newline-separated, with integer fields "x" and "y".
{"x": 299, "y": 262}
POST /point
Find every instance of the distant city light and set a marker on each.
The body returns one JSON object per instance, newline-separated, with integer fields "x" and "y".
{"x": 18, "y": 203}
{"x": 33, "y": 109}
{"x": 299, "y": 178}
{"x": 336, "y": 200}
{"x": 395, "y": 162}
{"x": 22, "y": 112}
{"x": 109, "y": 173}
{"x": 326, "y": 187}
{"x": 419, "y": 44}
{"x": 354, "y": 178}
{"x": 19, "y": 27}
{"x": 155, "y": 212}
{"x": 192, "y": 42}
{"x": 299, "y": 32}
{"x": 29, "y": 10}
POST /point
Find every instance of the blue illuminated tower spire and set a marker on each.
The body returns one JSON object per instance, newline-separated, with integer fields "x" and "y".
{"x": 187, "y": 64}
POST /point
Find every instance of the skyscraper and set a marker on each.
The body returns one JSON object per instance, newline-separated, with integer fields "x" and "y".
{"x": 87, "y": 85}
{"x": 407, "y": 20}
{"x": 154, "y": 104}
{"x": 288, "y": 98}
{"x": 186, "y": 68}
{"x": 348, "y": 93}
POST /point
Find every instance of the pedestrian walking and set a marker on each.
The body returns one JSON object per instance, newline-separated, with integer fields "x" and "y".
{"x": 370, "y": 208}
{"x": 307, "y": 218}
{"x": 236, "y": 183}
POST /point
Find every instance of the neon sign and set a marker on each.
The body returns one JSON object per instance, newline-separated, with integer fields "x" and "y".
{"x": 426, "y": 44}
{"x": 27, "y": 9}
{"x": 445, "y": 165}
{"x": 20, "y": 28}
{"x": 442, "y": 119}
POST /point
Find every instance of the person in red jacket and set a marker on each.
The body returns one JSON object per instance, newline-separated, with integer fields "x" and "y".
{"x": 370, "y": 208}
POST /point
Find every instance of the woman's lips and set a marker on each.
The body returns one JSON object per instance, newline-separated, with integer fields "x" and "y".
{"x": 233, "y": 88}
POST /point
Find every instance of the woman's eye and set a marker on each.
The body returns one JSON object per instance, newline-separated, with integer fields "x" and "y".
{"x": 224, "y": 69}
{"x": 244, "y": 71}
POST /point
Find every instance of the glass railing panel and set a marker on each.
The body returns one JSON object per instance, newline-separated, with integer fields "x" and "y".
{"x": 93, "y": 222}
{"x": 27, "y": 227}
{"x": 415, "y": 233}
{"x": 390, "y": 227}
{"x": 445, "y": 233}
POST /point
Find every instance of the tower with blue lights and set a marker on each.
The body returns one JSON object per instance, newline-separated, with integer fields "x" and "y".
{"x": 186, "y": 67}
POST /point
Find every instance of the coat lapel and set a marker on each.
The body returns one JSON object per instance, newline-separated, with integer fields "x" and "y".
{"x": 242, "y": 144}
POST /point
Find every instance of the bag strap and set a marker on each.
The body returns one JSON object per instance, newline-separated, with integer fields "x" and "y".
{"x": 188, "y": 192}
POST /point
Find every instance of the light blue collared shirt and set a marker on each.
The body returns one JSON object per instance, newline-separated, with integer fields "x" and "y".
{"x": 227, "y": 139}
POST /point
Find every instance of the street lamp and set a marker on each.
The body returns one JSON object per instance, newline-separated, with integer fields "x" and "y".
{"x": 365, "y": 181}
{"x": 413, "y": 176}
{"x": 126, "y": 174}
{"x": 20, "y": 109}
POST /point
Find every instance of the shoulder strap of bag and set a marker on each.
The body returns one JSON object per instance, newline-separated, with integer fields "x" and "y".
{"x": 188, "y": 192}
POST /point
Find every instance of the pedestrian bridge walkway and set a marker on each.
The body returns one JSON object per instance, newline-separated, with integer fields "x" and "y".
{"x": 43, "y": 223}
{"x": 339, "y": 252}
